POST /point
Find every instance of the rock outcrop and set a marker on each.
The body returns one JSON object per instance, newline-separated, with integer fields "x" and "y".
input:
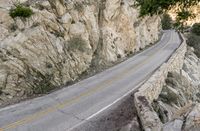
{"x": 62, "y": 39}
{"x": 170, "y": 99}
{"x": 152, "y": 88}
{"x": 178, "y": 105}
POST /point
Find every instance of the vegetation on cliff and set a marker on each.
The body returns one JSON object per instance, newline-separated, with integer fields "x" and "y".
{"x": 151, "y": 7}
{"x": 196, "y": 29}
{"x": 166, "y": 22}
{"x": 155, "y": 7}
{"x": 20, "y": 11}
{"x": 194, "y": 38}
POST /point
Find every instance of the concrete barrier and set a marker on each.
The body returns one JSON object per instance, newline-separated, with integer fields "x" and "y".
{"x": 152, "y": 88}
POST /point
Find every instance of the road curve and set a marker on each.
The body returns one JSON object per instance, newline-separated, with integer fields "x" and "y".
{"x": 69, "y": 107}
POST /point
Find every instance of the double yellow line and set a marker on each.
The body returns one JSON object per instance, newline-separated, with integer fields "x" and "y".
{"x": 65, "y": 103}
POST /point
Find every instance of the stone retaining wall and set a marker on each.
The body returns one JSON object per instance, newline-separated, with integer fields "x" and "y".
{"x": 151, "y": 89}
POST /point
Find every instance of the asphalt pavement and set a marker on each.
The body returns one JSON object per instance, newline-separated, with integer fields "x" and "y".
{"x": 70, "y": 107}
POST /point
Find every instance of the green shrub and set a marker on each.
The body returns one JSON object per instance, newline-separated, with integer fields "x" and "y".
{"x": 166, "y": 22}
{"x": 151, "y": 7}
{"x": 20, "y": 11}
{"x": 77, "y": 43}
{"x": 194, "y": 41}
{"x": 40, "y": 83}
{"x": 196, "y": 29}
{"x": 43, "y": 85}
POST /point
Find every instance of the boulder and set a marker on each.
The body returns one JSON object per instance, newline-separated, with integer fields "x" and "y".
{"x": 193, "y": 119}
{"x": 59, "y": 6}
{"x": 175, "y": 125}
{"x": 77, "y": 29}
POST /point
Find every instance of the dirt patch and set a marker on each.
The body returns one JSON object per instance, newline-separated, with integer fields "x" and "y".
{"x": 122, "y": 117}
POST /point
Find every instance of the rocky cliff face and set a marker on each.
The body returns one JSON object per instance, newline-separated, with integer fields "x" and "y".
{"x": 63, "y": 38}
{"x": 178, "y": 104}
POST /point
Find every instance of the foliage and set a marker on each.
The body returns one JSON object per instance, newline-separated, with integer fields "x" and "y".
{"x": 177, "y": 25}
{"x": 20, "y": 11}
{"x": 151, "y": 7}
{"x": 166, "y": 22}
{"x": 39, "y": 83}
{"x": 77, "y": 43}
{"x": 183, "y": 15}
{"x": 43, "y": 84}
{"x": 194, "y": 41}
{"x": 196, "y": 29}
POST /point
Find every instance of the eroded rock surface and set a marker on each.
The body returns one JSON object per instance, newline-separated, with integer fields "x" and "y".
{"x": 178, "y": 104}
{"x": 62, "y": 39}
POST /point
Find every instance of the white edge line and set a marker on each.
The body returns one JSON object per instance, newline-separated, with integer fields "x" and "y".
{"x": 108, "y": 106}
{"x": 30, "y": 101}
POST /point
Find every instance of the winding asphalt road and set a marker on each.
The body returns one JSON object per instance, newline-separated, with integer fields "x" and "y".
{"x": 66, "y": 109}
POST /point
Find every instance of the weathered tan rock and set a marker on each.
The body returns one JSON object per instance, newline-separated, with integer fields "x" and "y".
{"x": 6, "y": 4}
{"x": 45, "y": 5}
{"x": 77, "y": 29}
{"x": 66, "y": 20}
{"x": 193, "y": 119}
{"x": 191, "y": 68}
{"x": 42, "y": 51}
{"x": 19, "y": 23}
{"x": 59, "y": 6}
{"x": 119, "y": 23}
{"x": 4, "y": 32}
{"x": 175, "y": 103}
{"x": 175, "y": 125}
{"x": 148, "y": 117}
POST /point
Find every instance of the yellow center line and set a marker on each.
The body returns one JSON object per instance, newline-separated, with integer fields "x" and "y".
{"x": 52, "y": 109}
{"x": 65, "y": 103}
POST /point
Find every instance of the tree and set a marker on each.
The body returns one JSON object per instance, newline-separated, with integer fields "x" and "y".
{"x": 166, "y": 22}
{"x": 183, "y": 16}
{"x": 196, "y": 29}
{"x": 151, "y": 7}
